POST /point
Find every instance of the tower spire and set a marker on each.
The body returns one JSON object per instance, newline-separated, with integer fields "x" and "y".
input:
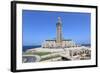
{"x": 59, "y": 20}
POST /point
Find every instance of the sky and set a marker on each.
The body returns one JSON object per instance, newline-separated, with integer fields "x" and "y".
{"x": 38, "y": 26}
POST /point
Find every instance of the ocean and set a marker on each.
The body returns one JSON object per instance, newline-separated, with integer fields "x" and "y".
{"x": 86, "y": 45}
{"x": 30, "y": 47}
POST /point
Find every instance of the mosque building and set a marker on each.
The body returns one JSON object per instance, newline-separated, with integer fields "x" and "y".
{"x": 59, "y": 42}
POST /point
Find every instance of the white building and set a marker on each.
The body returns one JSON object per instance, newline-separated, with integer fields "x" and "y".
{"x": 53, "y": 44}
{"x": 59, "y": 42}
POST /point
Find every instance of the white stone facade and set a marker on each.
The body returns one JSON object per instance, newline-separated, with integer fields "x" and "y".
{"x": 53, "y": 44}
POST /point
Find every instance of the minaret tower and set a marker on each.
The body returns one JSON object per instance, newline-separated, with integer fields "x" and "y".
{"x": 59, "y": 32}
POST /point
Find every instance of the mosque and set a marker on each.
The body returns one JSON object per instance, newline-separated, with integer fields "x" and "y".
{"x": 59, "y": 42}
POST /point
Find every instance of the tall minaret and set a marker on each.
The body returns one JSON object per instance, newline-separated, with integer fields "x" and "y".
{"x": 59, "y": 32}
